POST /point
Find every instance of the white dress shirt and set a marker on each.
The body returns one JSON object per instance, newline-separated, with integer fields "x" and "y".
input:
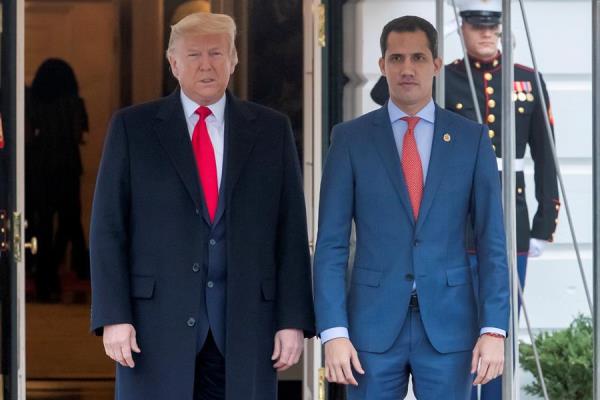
{"x": 215, "y": 124}
{"x": 424, "y": 137}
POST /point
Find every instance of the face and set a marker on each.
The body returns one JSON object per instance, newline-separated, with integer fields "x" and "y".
{"x": 409, "y": 68}
{"x": 481, "y": 41}
{"x": 203, "y": 64}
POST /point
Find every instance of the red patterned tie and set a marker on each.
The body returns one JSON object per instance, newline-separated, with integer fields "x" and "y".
{"x": 411, "y": 165}
{"x": 205, "y": 162}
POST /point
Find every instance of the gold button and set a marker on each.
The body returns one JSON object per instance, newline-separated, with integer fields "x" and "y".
{"x": 557, "y": 207}
{"x": 495, "y": 63}
{"x": 487, "y": 76}
{"x": 459, "y": 106}
{"x": 492, "y": 133}
{"x": 489, "y": 90}
{"x": 477, "y": 64}
{"x": 556, "y": 221}
{"x": 519, "y": 190}
{"x": 521, "y": 110}
{"x": 491, "y": 103}
{"x": 491, "y": 118}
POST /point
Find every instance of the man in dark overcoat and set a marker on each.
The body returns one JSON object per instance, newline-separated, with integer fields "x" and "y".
{"x": 200, "y": 262}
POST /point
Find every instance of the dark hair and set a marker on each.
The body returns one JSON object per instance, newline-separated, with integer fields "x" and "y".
{"x": 54, "y": 79}
{"x": 410, "y": 23}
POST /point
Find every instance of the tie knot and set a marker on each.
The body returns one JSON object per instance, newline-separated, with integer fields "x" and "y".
{"x": 411, "y": 121}
{"x": 203, "y": 112}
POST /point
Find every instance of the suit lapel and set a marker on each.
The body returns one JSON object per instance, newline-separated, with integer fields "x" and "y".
{"x": 173, "y": 135}
{"x": 383, "y": 138}
{"x": 240, "y": 135}
{"x": 440, "y": 154}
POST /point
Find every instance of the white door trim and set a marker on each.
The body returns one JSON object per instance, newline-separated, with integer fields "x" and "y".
{"x": 312, "y": 384}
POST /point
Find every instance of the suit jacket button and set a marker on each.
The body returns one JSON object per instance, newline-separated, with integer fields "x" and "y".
{"x": 191, "y": 322}
{"x": 212, "y": 242}
{"x": 409, "y": 277}
{"x": 416, "y": 242}
{"x": 196, "y": 267}
{"x": 210, "y": 284}
{"x": 197, "y": 212}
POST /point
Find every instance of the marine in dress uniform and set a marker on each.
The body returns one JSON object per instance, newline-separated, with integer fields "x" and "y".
{"x": 530, "y": 131}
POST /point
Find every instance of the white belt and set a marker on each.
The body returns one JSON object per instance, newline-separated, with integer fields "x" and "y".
{"x": 519, "y": 164}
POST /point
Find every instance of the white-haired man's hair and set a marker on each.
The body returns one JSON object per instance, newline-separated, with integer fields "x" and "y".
{"x": 202, "y": 23}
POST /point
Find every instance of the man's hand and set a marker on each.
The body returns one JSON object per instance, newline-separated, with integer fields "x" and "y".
{"x": 119, "y": 341}
{"x": 488, "y": 354}
{"x": 339, "y": 355}
{"x": 289, "y": 344}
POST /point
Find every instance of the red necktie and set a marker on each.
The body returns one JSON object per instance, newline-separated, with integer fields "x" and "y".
{"x": 411, "y": 165}
{"x": 205, "y": 162}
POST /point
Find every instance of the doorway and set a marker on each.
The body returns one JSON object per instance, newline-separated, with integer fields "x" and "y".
{"x": 69, "y": 53}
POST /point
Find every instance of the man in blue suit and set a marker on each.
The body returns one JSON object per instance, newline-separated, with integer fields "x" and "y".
{"x": 408, "y": 175}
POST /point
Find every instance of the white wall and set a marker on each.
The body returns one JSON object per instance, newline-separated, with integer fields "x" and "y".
{"x": 561, "y": 34}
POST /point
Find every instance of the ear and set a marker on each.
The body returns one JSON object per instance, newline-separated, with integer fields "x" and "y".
{"x": 437, "y": 65}
{"x": 233, "y": 65}
{"x": 382, "y": 66}
{"x": 174, "y": 67}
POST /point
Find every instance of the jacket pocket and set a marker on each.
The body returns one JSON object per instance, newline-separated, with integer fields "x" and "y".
{"x": 459, "y": 276}
{"x": 142, "y": 287}
{"x": 368, "y": 277}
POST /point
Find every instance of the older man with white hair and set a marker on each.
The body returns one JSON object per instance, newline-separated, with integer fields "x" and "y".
{"x": 200, "y": 266}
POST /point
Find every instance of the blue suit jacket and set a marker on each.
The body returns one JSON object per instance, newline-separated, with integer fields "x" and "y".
{"x": 363, "y": 181}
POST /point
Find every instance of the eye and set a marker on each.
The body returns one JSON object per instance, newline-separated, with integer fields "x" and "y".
{"x": 419, "y": 57}
{"x": 193, "y": 54}
{"x": 395, "y": 58}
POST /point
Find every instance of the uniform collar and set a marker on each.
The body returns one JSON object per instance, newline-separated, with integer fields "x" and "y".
{"x": 486, "y": 65}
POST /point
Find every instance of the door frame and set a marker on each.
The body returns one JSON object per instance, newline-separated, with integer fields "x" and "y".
{"x": 13, "y": 104}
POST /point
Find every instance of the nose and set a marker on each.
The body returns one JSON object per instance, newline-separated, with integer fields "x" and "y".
{"x": 408, "y": 69}
{"x": 204, "y": 63}
{"x": 488, "y": 32}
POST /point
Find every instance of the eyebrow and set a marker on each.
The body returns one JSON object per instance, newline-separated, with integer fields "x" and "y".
{"x": 419, "y": 53}
{"x": 195, "y": 49}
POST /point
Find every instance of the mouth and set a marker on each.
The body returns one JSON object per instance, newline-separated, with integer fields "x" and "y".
{"x": 206, "y": 81}
{"x": 408, "y": 84}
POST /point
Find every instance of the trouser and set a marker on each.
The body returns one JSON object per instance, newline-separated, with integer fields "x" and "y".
{"x": 209, "y": 381}
{"x": 435, "y": 375}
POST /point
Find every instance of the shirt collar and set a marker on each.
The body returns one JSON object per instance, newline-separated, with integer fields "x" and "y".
{"x": 190, "y": 107}
{"x": 427, "y": 113}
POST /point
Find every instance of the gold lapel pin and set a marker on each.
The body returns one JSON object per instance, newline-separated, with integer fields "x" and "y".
{"x": 447, "y": 137}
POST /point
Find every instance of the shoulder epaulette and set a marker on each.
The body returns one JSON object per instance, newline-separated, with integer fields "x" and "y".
{"x": 524, "y": 67}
